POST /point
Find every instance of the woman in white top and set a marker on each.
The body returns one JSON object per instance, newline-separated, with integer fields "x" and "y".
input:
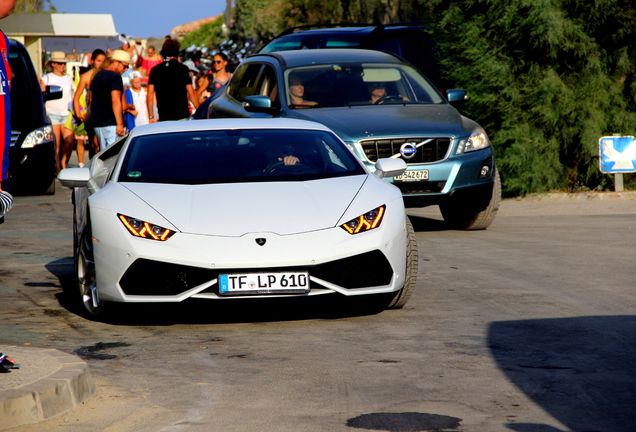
{"x": 58, "y": 110}
{"x": 138, "y": 109}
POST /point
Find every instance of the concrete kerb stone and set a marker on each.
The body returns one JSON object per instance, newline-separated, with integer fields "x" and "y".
{"x": 42, "y": 393}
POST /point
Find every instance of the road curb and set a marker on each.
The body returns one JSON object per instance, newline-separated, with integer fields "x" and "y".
{"x": 48, "y": 383}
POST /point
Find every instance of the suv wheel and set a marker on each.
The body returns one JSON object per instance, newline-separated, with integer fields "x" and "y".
{"x": 473, "y": 215}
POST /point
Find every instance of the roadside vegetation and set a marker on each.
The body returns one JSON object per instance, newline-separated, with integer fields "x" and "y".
{"x": 546, "y": 78}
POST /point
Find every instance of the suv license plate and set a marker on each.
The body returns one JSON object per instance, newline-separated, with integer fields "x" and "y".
{"x": 412, "y": 176}
{"x": 264, "y": 283}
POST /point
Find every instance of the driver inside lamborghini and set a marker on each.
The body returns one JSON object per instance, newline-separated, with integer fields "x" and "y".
{"x": 283, "y": 154}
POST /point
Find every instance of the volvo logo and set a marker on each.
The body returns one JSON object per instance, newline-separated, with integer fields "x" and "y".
{"x": 261, "y": 241}
{"x": 408, "y": 150}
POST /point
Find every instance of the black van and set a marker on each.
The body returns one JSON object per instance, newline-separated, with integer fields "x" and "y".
{"x": 409, "y": 41}
{"x": 32, "y": 148}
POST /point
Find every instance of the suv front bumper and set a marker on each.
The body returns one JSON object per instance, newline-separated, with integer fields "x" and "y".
{"x": 469, "y": 175}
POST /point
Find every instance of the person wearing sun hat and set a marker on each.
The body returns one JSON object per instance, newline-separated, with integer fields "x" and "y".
{"x": 107, "y": 90}
{"x": 60, "y": 109}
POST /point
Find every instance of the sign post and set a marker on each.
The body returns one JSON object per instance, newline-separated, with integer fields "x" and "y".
{"x": 617, "y": 155}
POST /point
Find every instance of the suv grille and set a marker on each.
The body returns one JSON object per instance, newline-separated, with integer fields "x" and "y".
{"x": 433, "y": 149}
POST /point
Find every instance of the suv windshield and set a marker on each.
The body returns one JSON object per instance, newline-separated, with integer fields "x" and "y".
{"x": 231, "y": 156}
{"x": 352, "y": 84}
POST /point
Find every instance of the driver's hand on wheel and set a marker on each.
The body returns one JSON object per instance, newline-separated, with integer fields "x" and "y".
{"x": 289, "y": 160}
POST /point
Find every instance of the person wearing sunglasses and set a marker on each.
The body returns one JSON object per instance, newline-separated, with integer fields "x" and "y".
{"x": 107, "y": 90}
{"x": 59, "y": 110}
{"x": 220, "y": 73}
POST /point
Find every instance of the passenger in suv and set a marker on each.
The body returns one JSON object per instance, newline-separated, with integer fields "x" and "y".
{"x": 32, "y": 148}
{"x": 450, "y": 161}
{"x": 411, "y": 42}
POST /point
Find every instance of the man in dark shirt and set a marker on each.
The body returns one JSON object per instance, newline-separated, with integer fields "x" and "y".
{"x": 172, "y": 84}
{"x": 107, "y": 89}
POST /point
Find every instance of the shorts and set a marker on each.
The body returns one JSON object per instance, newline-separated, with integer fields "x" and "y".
{"x": 106, "y": 135}
{"x": 77, "y": 128}
{"x": 58, "y": 118}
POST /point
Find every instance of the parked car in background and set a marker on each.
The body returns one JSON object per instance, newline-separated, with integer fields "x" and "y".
{"x": 32, "y": 167}
{"x": 226, "y": 209}
{"x": 449, "y": 157}
{"x": 409, "y": 41}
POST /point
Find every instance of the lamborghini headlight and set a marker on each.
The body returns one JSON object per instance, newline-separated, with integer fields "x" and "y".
{"x": 38, "y": 136}
{"x": 365, "y": 222}
{"x": 476, "y": 141}
{"x": 144, "y": 229}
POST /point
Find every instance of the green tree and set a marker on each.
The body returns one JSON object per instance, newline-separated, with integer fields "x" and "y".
{"x": 32, "y": 6}
{"x": 547, "y": 78}
{"x": 210, "y": 34}
{"x": 542, "y": 84}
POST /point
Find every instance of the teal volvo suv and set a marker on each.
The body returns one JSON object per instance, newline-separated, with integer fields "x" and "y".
{"x": 381, "y": 107}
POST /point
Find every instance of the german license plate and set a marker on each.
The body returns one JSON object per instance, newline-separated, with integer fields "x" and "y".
{"x": 414, "y": 175}
{"x": 264, "y": 283}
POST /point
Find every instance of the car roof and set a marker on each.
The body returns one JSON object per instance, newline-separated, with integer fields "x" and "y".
{"x": 295, "y": 58}
{"x": 225, "y": 124}
{"x": 331, "y": 30}
{"x": 345, "y": 28}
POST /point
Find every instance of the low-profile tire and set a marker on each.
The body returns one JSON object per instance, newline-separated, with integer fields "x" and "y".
{"x": 50, "y": 189}
{"x": 466, "y": 215}
{"x": 85, "y": 296}
{"x": 400, "y": 298}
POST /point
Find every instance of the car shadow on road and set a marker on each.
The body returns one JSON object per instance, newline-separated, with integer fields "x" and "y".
{"x": 421, "y": 223}
{"x": 201, "y": 311}
{"x": 581, "y": 370}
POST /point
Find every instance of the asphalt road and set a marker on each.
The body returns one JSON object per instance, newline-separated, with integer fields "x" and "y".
{"x": 528, "y": 326}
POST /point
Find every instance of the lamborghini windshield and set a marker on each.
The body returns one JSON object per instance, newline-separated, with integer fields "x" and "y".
{"x": 229, "y": 156}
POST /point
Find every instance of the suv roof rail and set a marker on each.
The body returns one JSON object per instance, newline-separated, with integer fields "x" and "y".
{"x": 378, "y": 27}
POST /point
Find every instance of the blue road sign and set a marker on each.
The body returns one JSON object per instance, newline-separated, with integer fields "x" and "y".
{"x": 617, "y": 154}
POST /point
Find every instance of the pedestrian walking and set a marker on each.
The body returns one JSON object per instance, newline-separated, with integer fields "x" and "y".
{"x": 219, "y": 68}
{"x": 107, "y": 90}
{"x": 171, "y": 83}
{"x": 136, "y": 111}
{"x": 81, "y": 102}
{"x": 150, "y": 60}
{"x": 59, "y": 110}
{"x": 6, "y": 200}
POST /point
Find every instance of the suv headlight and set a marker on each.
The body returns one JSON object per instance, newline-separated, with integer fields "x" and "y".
{"x": 476, "y": 141}
{"x": 38, "y": 136}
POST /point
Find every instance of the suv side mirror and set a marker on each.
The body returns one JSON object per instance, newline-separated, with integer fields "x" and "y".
{"x": 259, "y": 104}
{"x": 52, "y": 92}
{"x": 456, "y": 96}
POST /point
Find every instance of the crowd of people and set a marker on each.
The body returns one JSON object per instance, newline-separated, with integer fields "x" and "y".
{"x": 107, "y": 93}
{"x": 117, "y": 90}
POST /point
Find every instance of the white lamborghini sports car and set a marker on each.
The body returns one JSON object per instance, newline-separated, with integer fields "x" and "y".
{"x": 236, "y": 208}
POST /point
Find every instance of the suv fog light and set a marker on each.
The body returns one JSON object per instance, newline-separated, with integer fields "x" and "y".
{"x": 485, "y": 171}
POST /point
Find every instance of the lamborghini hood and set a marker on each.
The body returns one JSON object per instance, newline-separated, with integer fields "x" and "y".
{"x": 240, "y": 208}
